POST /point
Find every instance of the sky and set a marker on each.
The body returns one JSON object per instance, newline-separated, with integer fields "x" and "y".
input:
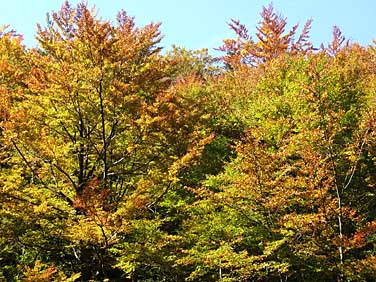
{"x": 196, "y": 24}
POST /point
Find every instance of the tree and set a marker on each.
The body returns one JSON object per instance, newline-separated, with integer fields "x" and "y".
{"x": 95, "y": 138}
{"x": 14, "y": 69}
{"x": 120, "y": 163}
{"x": 185, "y": 63}
{"x": 294, "y": 205}
{"x": 272, "y": 40}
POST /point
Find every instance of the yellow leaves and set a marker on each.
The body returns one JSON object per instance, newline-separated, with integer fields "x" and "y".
{"x": 72, "y": 278}
{"x": 11, "y": 181}
{"x": 194, "y": 152}
{"x": 128, "y": 267}
{"x": 44, "y": 273}
{"x": 271, "y": 247}
{"x": 88, "y": 231}
{"x": 37, "y": 273}
{"x": 12, "y": 72}
{"x": 366, "y": 267}
{"x": 43, "y": 208}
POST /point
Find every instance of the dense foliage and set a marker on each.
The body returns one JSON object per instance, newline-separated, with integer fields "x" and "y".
{"x": 122, "y": 163}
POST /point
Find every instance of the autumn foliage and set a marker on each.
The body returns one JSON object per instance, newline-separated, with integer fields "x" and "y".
{"x": 120, "y": 162}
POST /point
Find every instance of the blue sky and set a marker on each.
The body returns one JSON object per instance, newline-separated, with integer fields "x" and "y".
{"x": 197, "y": 24}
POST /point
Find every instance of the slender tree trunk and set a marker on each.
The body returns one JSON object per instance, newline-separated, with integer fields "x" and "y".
{"x": 104, "y": 141}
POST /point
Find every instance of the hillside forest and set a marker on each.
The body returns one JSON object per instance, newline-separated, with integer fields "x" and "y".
{"x": 120, "y": 161}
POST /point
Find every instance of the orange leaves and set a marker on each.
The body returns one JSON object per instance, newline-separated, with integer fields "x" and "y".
{"x": 301, "y": 163}
{"x": 93, "y": 198}
{"x": 360, "y": 237}
{"x": 13, "y": 70}
{"x": 128, "y": 162}
{"x": 5, "y": 105}
{"x": 38, "y": 273}
{"x": 337, "y": 42}
{"x": 272, "y": 41}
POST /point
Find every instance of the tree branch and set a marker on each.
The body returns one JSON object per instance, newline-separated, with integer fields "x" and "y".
{"x": 45, "y": 185}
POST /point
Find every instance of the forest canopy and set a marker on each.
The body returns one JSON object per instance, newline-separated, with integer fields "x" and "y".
{"x": 120, "y": 162}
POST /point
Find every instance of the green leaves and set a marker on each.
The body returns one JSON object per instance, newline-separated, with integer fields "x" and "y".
{"x": 118, "y": 162}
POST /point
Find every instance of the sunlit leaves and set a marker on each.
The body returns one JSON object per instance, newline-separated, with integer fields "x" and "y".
{"x": 300, "y": 166}
{"x": 119, "y": 162}
{"x": 272, "y": 41}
